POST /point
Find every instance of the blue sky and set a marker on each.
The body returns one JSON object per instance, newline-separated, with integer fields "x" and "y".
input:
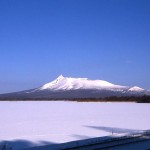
{"x": 97, "y": 39}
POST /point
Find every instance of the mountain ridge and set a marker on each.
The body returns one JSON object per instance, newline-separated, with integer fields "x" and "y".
{"x": 70, "y": 88}
{"x": 69, "y": 83}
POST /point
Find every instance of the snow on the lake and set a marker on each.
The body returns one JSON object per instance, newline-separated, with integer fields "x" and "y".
{"x": 31, "y": 123}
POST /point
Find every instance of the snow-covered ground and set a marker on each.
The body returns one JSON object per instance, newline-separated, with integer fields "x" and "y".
{"x": 25, "y": 124}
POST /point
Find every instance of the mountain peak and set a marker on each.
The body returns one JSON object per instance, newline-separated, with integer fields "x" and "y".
{"x": 68, "y": 87}
{"x": 68, "y": 83}
{"x": 60, "y": 77}
{"x": 136, "y": 89}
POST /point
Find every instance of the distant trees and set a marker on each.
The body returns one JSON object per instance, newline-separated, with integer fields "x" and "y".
{"x": 138, "y": 99}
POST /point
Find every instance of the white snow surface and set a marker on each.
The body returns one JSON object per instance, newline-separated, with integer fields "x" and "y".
{"x": 68, "y": 83}
{"x": 26, "y": 124}
{"x": 136, "y": 89}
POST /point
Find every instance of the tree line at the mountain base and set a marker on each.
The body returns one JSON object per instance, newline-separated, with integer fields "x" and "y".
{"x": 139, "y": 99}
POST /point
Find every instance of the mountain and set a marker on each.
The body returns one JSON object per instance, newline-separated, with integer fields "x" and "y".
{"x": 64, "y": 83}
{"x": 71, "y": 88}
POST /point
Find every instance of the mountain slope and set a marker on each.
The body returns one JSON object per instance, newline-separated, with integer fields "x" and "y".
{"x": 65, "y": 83}
{"x": 70, "y": 88}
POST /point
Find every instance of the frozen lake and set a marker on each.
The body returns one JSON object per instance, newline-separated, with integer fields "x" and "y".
{"x": 26, "y": 124}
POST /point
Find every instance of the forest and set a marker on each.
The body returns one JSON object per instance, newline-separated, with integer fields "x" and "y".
{"x": 139, "y": 99}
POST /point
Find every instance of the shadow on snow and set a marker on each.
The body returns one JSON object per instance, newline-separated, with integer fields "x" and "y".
{"x": 115, "y": 130}
{"x": 20, "y": 144}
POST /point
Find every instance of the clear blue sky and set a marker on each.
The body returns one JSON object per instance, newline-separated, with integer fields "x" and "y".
{"x": 97, "y": 39}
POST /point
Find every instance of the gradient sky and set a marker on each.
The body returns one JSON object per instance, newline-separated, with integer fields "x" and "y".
{"x": 97, "y": 39}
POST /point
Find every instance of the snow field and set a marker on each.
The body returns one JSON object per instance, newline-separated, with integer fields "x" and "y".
{"x": 58, "y": 122}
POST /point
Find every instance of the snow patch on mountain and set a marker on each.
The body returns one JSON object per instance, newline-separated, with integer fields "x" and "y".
{"x": 68, "y": 83}
{"x": 136, "y": 89}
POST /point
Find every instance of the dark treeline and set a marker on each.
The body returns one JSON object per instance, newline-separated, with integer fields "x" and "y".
{"x": 139, "y": 99}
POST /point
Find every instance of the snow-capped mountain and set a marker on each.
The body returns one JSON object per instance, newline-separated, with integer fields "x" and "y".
{"x": 136, "y": 89}
{"x": 70, "y": 88}
{"x": 68, "y": 83}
